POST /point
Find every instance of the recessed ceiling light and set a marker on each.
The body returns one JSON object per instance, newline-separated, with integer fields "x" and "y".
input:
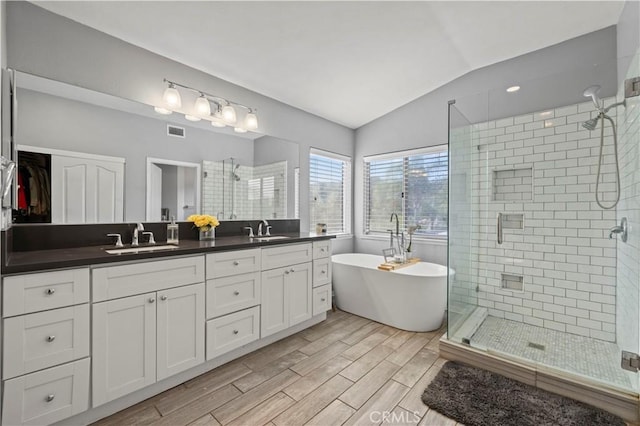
{"x": 513, "y": 89}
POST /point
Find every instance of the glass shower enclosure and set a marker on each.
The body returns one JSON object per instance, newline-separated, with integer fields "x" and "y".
{"x": 538, "y": 276}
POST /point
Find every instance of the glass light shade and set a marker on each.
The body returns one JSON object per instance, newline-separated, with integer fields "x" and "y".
{"x": 251, "y": 121}
{"x": 240, "y": 130}
{"x": 192, "y": 117}
{"x": 162, "y": 111}
{"x": 202, "y": 107}
{"x": 171, "y": 97}
{"x": 217, "y": 123}
{"x": 229, "y": 114}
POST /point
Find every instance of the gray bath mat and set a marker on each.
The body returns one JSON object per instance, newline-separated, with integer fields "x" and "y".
{"x": 478, "y": 397}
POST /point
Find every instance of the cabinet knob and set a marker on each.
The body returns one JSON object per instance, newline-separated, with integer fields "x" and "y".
{"x": 322, "y": 250}
{"x": 236, "y": 263}
{"x": 51, "y": 338}
{"x": 235, "y": 331}
{"x": 50, "y": 397}
{"x": 236, "y": 293}
{"x": 51, "y": 291}
{"x": 287, "y": 272}
{"x": 163, "y": 297}
{"x": 291, "y": 270}
{"x": 323, "y": 299}
{"x": 152, "y": 299}
{"x": 323, "y": 272}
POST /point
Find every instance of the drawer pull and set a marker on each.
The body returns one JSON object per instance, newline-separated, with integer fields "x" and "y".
{"x": 51, "y": 338}
{"x": 51, "y": 397}
{"x": 322, "y": 250}
{"x": 236, "y": 263}
{"x": 50, "y": 291}
{"x": 323, "y": 272}
{"x": 163, "y": 297}
{"x": 287, "y": 272}
{"x": 235, "y": 331}
{"x": 151, "y": 300}
{"x": 323, "y": 299}
{"x": 291, "y": 270}
{"x": 236, "y": 293}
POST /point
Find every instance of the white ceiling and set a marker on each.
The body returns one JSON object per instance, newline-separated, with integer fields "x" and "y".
{"x": 349, "y": 62}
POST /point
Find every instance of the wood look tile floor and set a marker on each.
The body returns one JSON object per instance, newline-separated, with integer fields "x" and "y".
{"x": 346, "y": 370}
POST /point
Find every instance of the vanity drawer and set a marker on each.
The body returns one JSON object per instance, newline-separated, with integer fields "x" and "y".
{"x": 47, "y": 396}
{"x": 113, "y": 282}
{"x": 290, "y": 254}
{"x": 232, "y": 331}
{"x": 321, "y": 271}
{"x": 321, "y": 299}
{"x": 227, "y": 263}
{"x": 230, "y": 294}
{"x": 23, "y": 294}
{"x": 44, "y": 339}
{"x": 321, "y": 249}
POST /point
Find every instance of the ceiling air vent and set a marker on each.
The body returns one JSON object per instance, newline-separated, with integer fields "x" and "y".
{"x": 178, "y": 132}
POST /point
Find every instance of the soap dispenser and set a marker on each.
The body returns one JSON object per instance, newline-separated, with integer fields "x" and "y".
{"x": 172, "y": 232}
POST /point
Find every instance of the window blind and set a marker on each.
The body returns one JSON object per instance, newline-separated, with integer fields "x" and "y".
{"x": 413, "y": 184}
{"x": 330, "y": 191}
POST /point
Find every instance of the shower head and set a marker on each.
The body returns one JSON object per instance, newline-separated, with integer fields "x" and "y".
{"x": 591, "y": 124}
{"x": 592, "y": 92}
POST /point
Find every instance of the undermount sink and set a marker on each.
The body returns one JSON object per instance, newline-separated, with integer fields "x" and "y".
{"x": 270, "y": 238}
{"x": 140, "y": 249}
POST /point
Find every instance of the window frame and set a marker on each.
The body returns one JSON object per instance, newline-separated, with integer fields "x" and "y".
{"x": 347, "y": 196}
{"x": 399, "y": 155}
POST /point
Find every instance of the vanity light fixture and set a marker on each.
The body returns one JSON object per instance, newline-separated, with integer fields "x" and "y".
{"x": 219, "y": 111}
{"x": 171, "y": 97}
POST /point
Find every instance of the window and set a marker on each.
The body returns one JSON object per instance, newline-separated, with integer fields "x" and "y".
{"x": 413, "y": 184}
{"x": 330, "y": 191}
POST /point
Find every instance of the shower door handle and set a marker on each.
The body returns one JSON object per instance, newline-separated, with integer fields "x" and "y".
{"x": 499, "y": 228}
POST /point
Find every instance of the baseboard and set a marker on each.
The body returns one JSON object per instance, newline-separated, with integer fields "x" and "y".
{"x": 620, "y": 403}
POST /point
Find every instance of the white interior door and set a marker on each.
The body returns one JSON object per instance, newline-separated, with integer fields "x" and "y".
{"x": 69, "y": 183}
{"x": 154, "y": 194}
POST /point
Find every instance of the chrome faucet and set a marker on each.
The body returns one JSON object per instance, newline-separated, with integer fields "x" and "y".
{"x": 401, "y": 251}
{"x": 134, "y": 241}
{"x": 267, "y": 228}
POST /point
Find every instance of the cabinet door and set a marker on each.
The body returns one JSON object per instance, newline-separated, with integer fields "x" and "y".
{"x": 180, "y": 329}
{"x": 298, "y": 284}
{"x": 124, "y": 346}
{"x": 274, "y": 310}
{"x": 85, "y": 190}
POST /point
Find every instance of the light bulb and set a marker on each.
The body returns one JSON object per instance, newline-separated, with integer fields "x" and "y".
{"x": 202, "y": 107}
{"x": 229, "y": 114}
{"x": 192, "y": 117}
{"x": 251, "y": 121}
{"x": 171, "y": 97}
{"x": 162, "y": 111}
{"x": 217, "y": 123}
{"x": 240, "y": 130}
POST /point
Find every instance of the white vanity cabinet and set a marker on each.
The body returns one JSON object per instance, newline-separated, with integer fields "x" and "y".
{"x": 321, "y": 276}
{"x": 45, "y": 346}
{"x": 286, "y": 287}
{"x": 145, "y": 337}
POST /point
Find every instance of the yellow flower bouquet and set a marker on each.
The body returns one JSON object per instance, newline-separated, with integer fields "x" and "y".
{"x": 203, "y": 221}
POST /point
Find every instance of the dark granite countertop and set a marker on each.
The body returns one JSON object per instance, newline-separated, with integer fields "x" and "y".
{"x": 40, "y": 260}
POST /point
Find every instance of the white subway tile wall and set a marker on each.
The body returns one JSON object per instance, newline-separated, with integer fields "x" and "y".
{"x": 628, "y": 254}
{"x": 542, "y": 165}
{"x": 261, "y": 192}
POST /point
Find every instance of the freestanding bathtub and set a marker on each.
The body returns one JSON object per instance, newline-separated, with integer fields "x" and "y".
{"x": 413, "y": 298}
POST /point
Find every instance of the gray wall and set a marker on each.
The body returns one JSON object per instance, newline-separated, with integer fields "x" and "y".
{"x": 53, "y": 122}
{"x": 45, "y": 44}
{"x": 557, "y": 75}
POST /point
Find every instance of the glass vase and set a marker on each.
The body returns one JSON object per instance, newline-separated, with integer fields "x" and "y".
{"x": 207, "y": 234}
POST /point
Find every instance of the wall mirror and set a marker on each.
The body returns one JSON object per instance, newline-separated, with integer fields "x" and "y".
{"x": 89, "y": 157}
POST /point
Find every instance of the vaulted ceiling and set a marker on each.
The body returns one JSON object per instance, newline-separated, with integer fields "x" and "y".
{"x": 349, "y": 62}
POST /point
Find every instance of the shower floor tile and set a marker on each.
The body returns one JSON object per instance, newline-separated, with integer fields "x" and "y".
{"x": 577, "y": 354}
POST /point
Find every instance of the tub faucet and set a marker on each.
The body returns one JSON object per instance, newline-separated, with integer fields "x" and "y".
{"x": 399, "y": 238}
